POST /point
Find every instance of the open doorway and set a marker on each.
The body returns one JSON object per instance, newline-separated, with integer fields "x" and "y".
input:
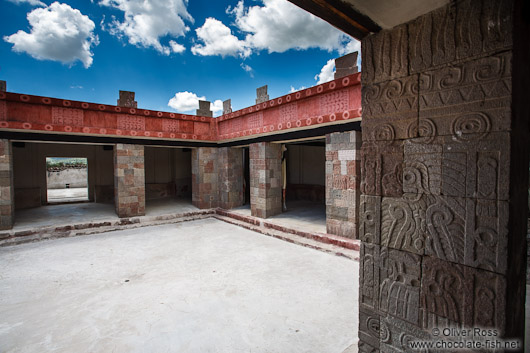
{"x": 66, "y": 179}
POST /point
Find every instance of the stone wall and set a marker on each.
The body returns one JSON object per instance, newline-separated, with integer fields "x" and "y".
{"x": 342, "y": 183}
{"x": 205, "y": 189}
{"x": 231, "y": 192}
{"x": 437, "y": 178}
{"x": 129, "y": 180}
{"x": 74, "y": 177}
{"x": 7, "y": 199}
{"x": 265, "y": 179}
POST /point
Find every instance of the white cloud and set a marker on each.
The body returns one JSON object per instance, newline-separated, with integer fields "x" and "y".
{"x": 146, "y": 22}
{"x": 176, "y": 47}
{"x": 327, "y": 73}
{"x": 248, "y": 69}
{"x": 185, "y": 101}
{"x": 296, "y": 90}
{"x": 31, "y": 2}
{"x": 278, "y": 26}
{"x": 189, "y": 102}
{"x": 58, "y": 32}
{"x": 217, "y": 107}
{"x": 217, "y": 39}
{"x": 350, "y": 47}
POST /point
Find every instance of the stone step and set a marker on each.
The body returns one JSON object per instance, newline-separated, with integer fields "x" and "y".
{"x": 14, "y": 237}
{"x": 292, "y": 238}
{"x": 352, "y": 244}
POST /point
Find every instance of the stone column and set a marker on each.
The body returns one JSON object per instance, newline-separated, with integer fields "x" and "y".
{"x": 231, "y": 192}
{"x": 7, "y": 196}
{"x": 442, "y": 225}
{"x": 346, "y": 65}
{"x": 204, "y": 109}
{"x": 129, "y": 180}
{"x": 261, "y": 94}
{"x": 265, "y": 179}
{"x": 204, "y": 184}
{"x": 343, "y": 173}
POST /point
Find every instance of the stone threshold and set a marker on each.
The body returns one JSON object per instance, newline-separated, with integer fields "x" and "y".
{"x": 328, "y": 243}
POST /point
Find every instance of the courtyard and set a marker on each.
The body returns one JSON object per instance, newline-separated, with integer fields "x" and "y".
{"x": 199, "y": 286}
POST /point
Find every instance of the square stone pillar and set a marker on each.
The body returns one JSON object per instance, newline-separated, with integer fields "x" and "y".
{"x": 204, "y": 184}
{"x": 343, "y": 178}
{"x": 230, "y": 168}
{"x": 7, "y": 196}
{"x": 265, "y": 179}
{"x": 129, "y": 180}
{"x": 444, "y": 167}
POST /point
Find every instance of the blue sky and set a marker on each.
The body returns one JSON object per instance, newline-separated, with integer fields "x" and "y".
{"x": 170, "y": 52}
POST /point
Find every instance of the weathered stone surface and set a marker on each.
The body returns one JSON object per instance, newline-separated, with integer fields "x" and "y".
{"x": 3, "y": 86}
{"x": 385, "y": 55}
{"x": 403, "y": 222}
{"x": 396, "y": 335}
{"x": 369, "y": 327}
{"x": 261, "y": 94}
{"x": 127, "y": 99}
{"x": 7, "y": 192}
{"x": 461, "y": 295}
{"x": 265, "y": 179}
{"x": 483, "y": 26}
{"x": 432, "y": 39}
{"x": 366, "y": 348}
{"x": 129, "y": 180}
{"x": 422, "y": 170}
{"x": 204, "y": 109}
{"x": 346, "y": 65}
{"x": 369, "y": 277}
{"x": 477, "y": 167}
{"x": 399, "y": 284}
{"x": 370, "y": 219}
{"x": 205, "y": 177}
{"x": 227, "y": 106}
{"x": 390, "y": 109}
{"x": 382, "y": 168}
{"x": 230, "y": 169}
{"x": 343, "y": 183}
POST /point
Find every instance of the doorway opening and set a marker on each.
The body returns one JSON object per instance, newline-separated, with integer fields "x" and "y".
{"x": 66, "y": 179}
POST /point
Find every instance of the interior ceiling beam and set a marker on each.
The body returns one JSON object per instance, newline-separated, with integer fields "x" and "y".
{"x": 341, "y": 15}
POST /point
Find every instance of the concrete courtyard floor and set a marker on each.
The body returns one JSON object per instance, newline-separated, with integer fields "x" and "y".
{"x": 199, "y": 286}
{"x": 302, "y": 215}
{"x": 54, "y": 215}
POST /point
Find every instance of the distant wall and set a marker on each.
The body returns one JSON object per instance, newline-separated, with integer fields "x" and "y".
{"x": 167, "y": 172}
{"x": 306, "y": 173}
{"x": 73, "y": 177}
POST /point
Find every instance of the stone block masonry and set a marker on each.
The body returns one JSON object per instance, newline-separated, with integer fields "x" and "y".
{"x": 204, "y": 170}
{"x": 265, "y": 179}
{"x": 439, "y": 178}
{"x": 231, "y": 191}
{"x": 7, "y": 199}
{"x": 129, "y": 180}
{"x": 342, "y": 183}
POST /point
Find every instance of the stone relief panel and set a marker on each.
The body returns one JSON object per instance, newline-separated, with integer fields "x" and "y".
{"x": 366, "y": 348}
{"x": 67, "y": 116}
{"x": 404, "y": 222}
{"x": 369, "y": 277}
{"x": 457, "y": 295}
{"x": 201, "y": 128}
{"x": 399, "y": 284}
{"x": 170, "y": 125}
{"x": 288, "y": 113}
{"x": 422, "y": 169}
{"x": 396, "y": 336}
{"x": 483, "y": 26}
{"x": 254, "y": 120}
{"x": 384, "y": 55}
{"x": 478, "y": 168}
{"x": 432, "y": 39}
{"x": 390, "y": 109}
{"x": 470, "y": 99}
{"x": 131, "y": 122}
{"x": 370, "y": 219}
{"x": 382, "y": 168}
{"x": 369, "y": 327}
{"x": 334, "y": 102}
